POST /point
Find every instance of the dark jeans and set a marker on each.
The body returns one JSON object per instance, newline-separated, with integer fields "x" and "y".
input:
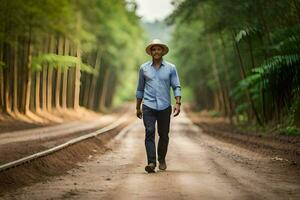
{"x": 150, "y": 116}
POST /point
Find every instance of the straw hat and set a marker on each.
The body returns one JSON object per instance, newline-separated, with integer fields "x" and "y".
{"x": 159, "y": 43}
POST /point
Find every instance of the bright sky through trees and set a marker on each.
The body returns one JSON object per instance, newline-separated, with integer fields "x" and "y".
{"x": 151, "y": 10}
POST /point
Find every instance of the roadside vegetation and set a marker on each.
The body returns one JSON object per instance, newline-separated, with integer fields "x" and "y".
{"x": 241, "y": 59}
{"x": 66, "y": 54}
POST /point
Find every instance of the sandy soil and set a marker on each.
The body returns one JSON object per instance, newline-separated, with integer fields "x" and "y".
{"x": 20, "y": 122}
{"x": 280, "y": 147}
{"x": 22, "y": 141}
{"x": 199, "y": 167}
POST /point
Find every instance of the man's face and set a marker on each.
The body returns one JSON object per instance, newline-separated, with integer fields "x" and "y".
{"x": 156, "y": 51}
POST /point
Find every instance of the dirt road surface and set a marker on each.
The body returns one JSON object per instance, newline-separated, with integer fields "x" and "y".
{"x": 199, "y": 167}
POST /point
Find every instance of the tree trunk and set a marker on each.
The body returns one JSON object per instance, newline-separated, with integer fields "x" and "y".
{"x": 71, "y": 81}
{"x": 1, "y": 90}
{"x": 65, "y": 76}
{"x": 227, "y": 79}
{"x": 77, "y": 79}
{"x": 243, "y": 76}
{"x": 44, "y": 81}
{"x": 44, "y": 88}
{"x": 15, "y": 79}
{"x": 28, "y": 85}
{"x": 262, "y": 88}
{"x": 1, "y": 79}
{"x": 104, "y": 90}
{"x": 297, "y": 112}
{"x": 23, "y": 60}
{"x": 94, "y": 80}
{"x": 264, "y": 24}
{"x": 112, "y": 89}
{"x": 221, "y": 104}
{"x": 58, "y": 75}
{"x": 37, "y": 91}
{"x": 50, "y": 75}
{"x": 86, "y": 84}
{"x": 249, "y": 42}
{"x": 77, "y": 67}
{"x": 7, "y": 77}
{"x": 86, "y": 79}
{"x": 297, "y": 10}
{"x": 8, "y": 95}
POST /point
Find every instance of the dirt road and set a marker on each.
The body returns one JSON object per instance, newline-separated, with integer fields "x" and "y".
{"x": 18, "y": 144}
{"x": 199, "y": 167}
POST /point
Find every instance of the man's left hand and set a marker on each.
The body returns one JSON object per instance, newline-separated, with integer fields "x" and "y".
{"x": 176, "y": 110}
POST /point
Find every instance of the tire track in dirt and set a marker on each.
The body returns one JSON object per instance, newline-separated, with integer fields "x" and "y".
{"x": 199, "y": 167}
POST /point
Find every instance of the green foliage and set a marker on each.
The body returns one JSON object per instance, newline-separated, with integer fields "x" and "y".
{"x": 290, "y": 130}
{"x": 92, "y": 26}
{"x": 250, "y": 81}
{"x": 281, "y": 73}
{"x": 187, "y": 95}
{"x": 245, "y": 33}
{"x": 287, "y": 40}
{"x": 214, "y": 113}
{"x": 255, "y": 50}
{"x": 277, "y": 62}
{"x": 241, "y": 108}
{"x": 2, "y": 65}
{"x": 55, "y": 61}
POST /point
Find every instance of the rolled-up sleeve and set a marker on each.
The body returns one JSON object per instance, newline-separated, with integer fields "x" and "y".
{"x": 175, "y": 83}
{"x": 140, "y": 85}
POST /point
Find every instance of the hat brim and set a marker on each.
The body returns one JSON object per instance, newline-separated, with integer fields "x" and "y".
{"x": 164, "y": 47}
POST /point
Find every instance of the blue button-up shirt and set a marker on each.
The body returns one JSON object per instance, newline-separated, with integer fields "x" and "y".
{"x": 154, "y": 85}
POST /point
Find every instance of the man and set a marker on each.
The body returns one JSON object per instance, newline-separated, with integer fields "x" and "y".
{"x": 155, "y": 79}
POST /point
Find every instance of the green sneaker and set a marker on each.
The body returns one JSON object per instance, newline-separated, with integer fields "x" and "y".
{"x": 150, "y": 168}
{"x": 162, "y": 166}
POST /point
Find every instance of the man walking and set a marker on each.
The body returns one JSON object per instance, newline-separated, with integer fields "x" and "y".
{"x": 156, "y": 77}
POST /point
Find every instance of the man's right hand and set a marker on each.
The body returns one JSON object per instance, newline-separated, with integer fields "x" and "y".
{"x": 139, "y": 113}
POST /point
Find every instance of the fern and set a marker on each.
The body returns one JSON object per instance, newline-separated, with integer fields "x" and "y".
{"x": 250, "y": 83}
{"x": 289, "y": 45}
{"x": 247, "y": 32}
{"x": 282, "y": 79}
{"x": 286, "y": 40}
{"x": 278, "y": 62}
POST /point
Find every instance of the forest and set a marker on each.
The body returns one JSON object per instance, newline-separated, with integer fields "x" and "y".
{"x": 240, "y": 59}
{"x": 65, "y": 54}
{"x": 85, "y": 115}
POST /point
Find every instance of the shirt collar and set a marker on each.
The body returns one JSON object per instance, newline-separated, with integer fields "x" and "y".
{"x": 163, "y": 63}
